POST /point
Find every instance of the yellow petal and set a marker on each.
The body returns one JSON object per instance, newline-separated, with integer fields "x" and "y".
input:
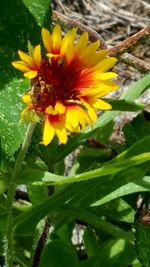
{"x": 100, "y": 104}
{"x": 96, "y": 58}
{"x": 31, "y": 74}
{"x": 26, "y": 58}
{"x": 80, "y": 116}
{"x": 20, "y": 66}
{"x": 105, "y": 76}
{"x": 56, "y": 38}
{"x": 48, "y": 133}
{"x": 69, "y": 53}
{"x": 60, "y": 108}
{"x": 67, "y": 41}
{"x": 106, "y": 64}
{"x": 91, "y": 112}
{"x": 47, "y": 39}
{"x": 106, "y": 87}
{"x": 90, "y": 50}
{"x": 51, "y": 110}
{"x": 62, "y": 135}
{"x": 27, "y": 99}
{"x": 37, "y": 55}
{"x": 72, "y": 117}
{"x": 82, "y": 43}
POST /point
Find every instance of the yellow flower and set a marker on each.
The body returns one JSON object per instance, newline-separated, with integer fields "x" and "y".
{"x": 68, "y": 84}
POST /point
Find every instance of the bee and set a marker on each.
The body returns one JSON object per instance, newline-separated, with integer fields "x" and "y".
{"x": 34, "y": 90}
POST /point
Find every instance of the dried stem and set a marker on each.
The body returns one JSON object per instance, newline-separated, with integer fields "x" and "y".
{"x": 115, "y": 50}
{"x": 41, "y": 243}
{"x": 135, "y": 62}
{"x": 43, "y": 238}
{"x": 129, "y": 42}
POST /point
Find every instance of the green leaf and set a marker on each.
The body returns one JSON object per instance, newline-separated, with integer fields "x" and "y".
{"x": 34, "y": 215}
{"x": 19, "y": 21}
{"x": 116, "y": 210}
{"x": 141, "y": 146}
{"x": 37, "y": 194}
{"x": 118, "y": 253}
{"x": 108, "y": 169}
{"x": 136, "y": 88}
{"x": 137, "y": 129}
{"x": 90, "y": 241}
{"x": 142, "y": 243}
{"x": 59, "y": 253}
{"x": 41, "y": 11}
{"x": 124, "y": 105}
{"x": 124, "y": 187}
{"x": 11, "y": 131}
{"x": 4, "y": 180}
{"x": 95, "y": 221}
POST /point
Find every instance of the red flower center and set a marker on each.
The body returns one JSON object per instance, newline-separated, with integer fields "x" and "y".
{"x": 56, "y": 82}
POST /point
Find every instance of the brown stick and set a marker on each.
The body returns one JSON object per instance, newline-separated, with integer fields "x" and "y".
{"x": 135, "y": 62}
{"x": 129, "y": 42}
{"x": 41, "y": 244}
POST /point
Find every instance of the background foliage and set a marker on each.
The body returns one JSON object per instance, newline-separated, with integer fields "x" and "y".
{"x": 96, "y": 196}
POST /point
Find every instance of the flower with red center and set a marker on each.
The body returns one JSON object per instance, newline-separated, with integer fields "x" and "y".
{"x": 67, "y": 85}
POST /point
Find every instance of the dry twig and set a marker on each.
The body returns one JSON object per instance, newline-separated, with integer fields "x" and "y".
{"x": 129, "y": 42}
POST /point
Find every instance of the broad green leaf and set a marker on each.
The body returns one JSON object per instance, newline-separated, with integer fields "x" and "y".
{"x": 142, "y": 243}
{"x": 41, "y": 11}
{"x": 115, "y": 186}
{"x": 90, "y": 241}
{"x": 94, "y": 221}
{"x": 11, "y": 131}
{"x": 118, "y": 253}
{"x": 83, "y": 194}
{"x": 139, "y": 184}
{"x": 141, "y": 146}
{"x": 54, "y": 203}
{"x": 58, "y": 253}
{"x": 37, "y": 194}
{"x": 108, "y": 169}
{"x": 136, "y": 89}
{"x": 34, "y": 215}
{"x": 137, "y": 129}
{"x": 19, "y": 22}
{"x": 63, "y": 227}
{"x": 4, "y": 180}
{"x": 116, "y": 210}
{"x": 124, "y": 105}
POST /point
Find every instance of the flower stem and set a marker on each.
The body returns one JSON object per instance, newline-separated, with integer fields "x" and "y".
{"x": 11, "y": 193}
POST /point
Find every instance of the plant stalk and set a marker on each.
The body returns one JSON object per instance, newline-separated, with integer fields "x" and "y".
{"x": 11, "y": 193}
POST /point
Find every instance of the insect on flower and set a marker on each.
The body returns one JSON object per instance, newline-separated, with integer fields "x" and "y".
{"x": 67, "y": 84}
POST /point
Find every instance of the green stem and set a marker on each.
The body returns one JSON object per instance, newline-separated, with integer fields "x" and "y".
{"x": 11, "y": 193}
